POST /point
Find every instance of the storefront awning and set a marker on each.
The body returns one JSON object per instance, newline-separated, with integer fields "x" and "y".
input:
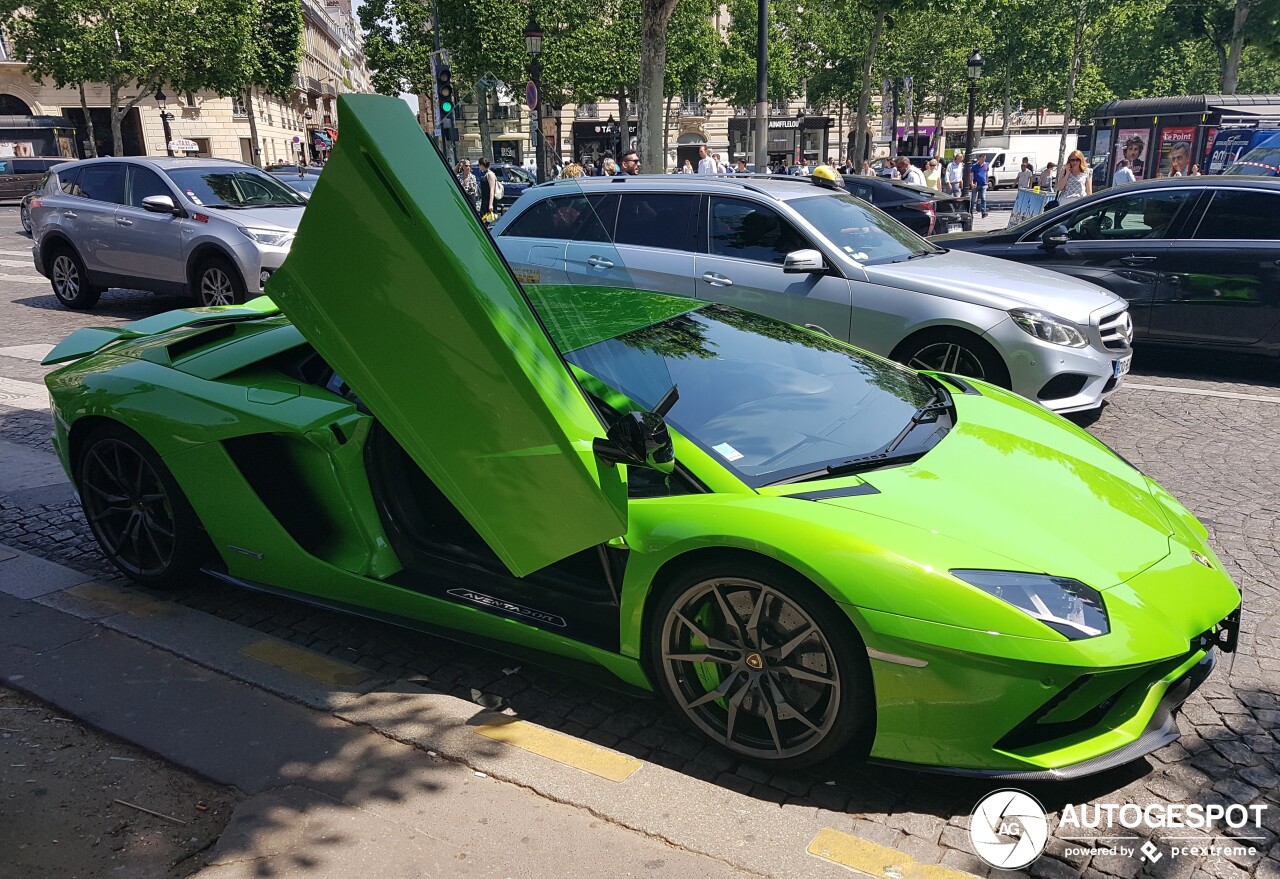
{"x": 321, "y": 140}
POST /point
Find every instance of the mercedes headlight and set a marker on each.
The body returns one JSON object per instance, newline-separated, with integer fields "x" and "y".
{"x": 1048, "y": 328}
{"x": 1067, "y": 606}
{"x": 269, "y": 237}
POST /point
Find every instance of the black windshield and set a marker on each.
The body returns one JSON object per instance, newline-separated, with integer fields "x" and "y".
{"x": 766, "y": 399}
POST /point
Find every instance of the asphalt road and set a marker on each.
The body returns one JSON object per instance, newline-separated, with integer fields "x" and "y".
{"x": 1204, "y": 426}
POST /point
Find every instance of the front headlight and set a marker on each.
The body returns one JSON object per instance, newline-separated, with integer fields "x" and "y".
{"x": 1067, "y": 606}
{"x": 269, "y": 237}
{"x": 1048, "y": 327}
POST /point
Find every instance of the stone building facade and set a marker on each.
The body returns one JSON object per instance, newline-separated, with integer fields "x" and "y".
{"x": 302, "y": 124}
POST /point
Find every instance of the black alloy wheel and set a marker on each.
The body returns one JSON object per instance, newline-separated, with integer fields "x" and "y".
{"x": 759, "y": 661}
{"x": 67, "y": 277}
{"x": 138, "y": 514}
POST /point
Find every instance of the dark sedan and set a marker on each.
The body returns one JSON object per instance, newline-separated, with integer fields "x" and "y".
{"x": 1197, "y": 258}
{"x": 922, "y": 210}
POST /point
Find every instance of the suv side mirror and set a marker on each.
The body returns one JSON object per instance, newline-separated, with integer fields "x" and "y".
{"x": 160, "y": 204}
{"x": 804, "y": 262}
{"x": 1054, "y": 237}
{"x": 641, "y": 439}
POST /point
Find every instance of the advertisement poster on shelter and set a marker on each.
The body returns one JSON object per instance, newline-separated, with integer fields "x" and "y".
{"x": 1175, "y": 151}
{"x": 1131, "y": 144}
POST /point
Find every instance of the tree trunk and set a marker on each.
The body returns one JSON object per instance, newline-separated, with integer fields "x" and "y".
{"x": 653, "y": 75}
{"x": 1008, "y": 101}
{"x": 482, "y": 116}
{"x": 666, "y": 132}
{"x": 1076, "y": 50}
{"x": 1231, "y": 73}
{"x": 255, "y": 154}
{"x": 864, "y": 97}
{"x": 88, "y": 123}
{"x": 117, "y": 139}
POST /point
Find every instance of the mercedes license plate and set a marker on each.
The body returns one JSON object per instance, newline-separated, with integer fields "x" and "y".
{"x": 1121, "y": 367}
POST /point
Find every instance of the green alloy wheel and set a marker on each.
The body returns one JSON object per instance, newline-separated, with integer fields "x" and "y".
{"x": 759, "y": 661}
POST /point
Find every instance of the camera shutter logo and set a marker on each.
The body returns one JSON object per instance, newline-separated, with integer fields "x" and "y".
{"x": 1008, "y": 829}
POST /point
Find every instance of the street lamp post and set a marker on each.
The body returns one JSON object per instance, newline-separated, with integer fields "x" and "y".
{"x": 164, "y": 120}
{"x": 533, "y": 45}
{"x": 975, "y": 72}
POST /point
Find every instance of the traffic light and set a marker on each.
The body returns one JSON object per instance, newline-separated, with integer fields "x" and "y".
{"x": 444, "y": 91}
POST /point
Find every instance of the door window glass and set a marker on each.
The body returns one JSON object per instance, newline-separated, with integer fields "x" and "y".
{"x": 566, "y": 218}
{"x": 1251, "y": 216}
{"x": 104, "y": 182}
{"x": 656, "y": 219}
{"x": 1131, "y": 217}
{"x": 144, "y": 182}
{"x": 68, "y": 179}
{"x": 747, "y": 230}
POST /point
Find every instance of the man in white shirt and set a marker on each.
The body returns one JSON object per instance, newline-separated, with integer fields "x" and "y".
{"x": 721, "y": 167}
{"x": 706, "y": 164}
{"x": 955, "y": 174}
{"x": 907, "y": 172}
{"x": 1123, "y": 174}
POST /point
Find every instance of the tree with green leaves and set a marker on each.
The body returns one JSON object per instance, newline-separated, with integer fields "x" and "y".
{"x": 133, "y": 46}
{"x": 275, "y": 50}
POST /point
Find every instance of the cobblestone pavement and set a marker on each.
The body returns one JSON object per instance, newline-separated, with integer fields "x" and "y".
{"x": 1218, "y": 453}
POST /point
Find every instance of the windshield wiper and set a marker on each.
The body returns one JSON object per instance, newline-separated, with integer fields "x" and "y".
{"x": 939, "y": 402}
{"x": 230, "y": 207}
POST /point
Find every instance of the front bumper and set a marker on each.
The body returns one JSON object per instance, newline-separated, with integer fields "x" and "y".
{"x": 1060, "y": 378}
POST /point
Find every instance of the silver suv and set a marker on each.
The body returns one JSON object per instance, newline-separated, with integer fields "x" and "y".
{"x": 806, "y": 254}
{"x": 209, "y": 228}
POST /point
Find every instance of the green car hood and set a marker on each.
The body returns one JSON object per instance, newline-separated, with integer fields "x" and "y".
{"x": 1029, "y": 486}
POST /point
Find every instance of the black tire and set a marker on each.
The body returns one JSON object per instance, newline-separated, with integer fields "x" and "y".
{"x": 794, "y": 688}
{"x": 24, "y": 214}
{"x": 955, "y": 351}
{"x": 69, "y": 281}
{"x": 138, "y": 514}
{"x": 218, "y": 282}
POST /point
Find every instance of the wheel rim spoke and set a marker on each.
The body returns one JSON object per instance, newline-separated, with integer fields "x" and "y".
{"x": 127, "y": 508}
{"x": 698, "y": 657}
{"x": 713, "y": 643}
{"x": 730, "y": 617}
{"x": 738, "y": 694}
{"x": 718, "y": 693}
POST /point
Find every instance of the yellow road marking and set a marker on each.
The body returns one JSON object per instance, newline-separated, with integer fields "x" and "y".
{"x": 119, "y": 599}
{"x": 307, "y": 662}
{"x": 875, "y": 859}
{"x": 561, "y": 748}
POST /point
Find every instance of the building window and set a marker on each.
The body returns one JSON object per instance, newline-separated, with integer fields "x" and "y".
{"x": 238, "y": 107}
{"x": 588, "y": 111}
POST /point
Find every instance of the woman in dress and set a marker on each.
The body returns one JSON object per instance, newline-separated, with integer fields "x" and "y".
{"x": 467, "y": 180}
{"x": 1075, "y": 181}
{"x": 932, "y": 175}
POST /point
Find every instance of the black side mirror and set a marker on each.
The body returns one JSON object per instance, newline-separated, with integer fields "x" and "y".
{"x": 1054, "y": 237}
{"x": 641, "y": 439}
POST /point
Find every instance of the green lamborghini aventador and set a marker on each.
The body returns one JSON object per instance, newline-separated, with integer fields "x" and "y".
{"x": 809, "y": 550}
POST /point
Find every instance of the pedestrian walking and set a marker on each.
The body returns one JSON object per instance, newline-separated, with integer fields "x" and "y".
{"x": 1195, "y": 171}
{"x": 1076, "y": 182}
{"x": 867, "y": 170}
{"x": 706, "y": 164}
{"x": 630, "y": 164}
{"x": 467, "y": 180}
{"x": 608, "y": 167}
{"x": 721, "y": 167}
{"x": 933, "y": 175}
{"x": 488, "y": 186}
{"x": 1123, "y": 175}
{"x": 1048, "y": 176}
{"x": 741, "y": 167}
{"x": 979, "y": 173}
{"x": 573, "y": 170}
{"x": 907, "y": 172}
{"x": 1026, "y": 174}
{"x": 687, "y": 168}
{"x": 955, "y": 174}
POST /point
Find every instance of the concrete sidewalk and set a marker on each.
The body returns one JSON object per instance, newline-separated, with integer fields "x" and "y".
{"x": 329, "y": 798}
{"x": 348, "y": 774}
